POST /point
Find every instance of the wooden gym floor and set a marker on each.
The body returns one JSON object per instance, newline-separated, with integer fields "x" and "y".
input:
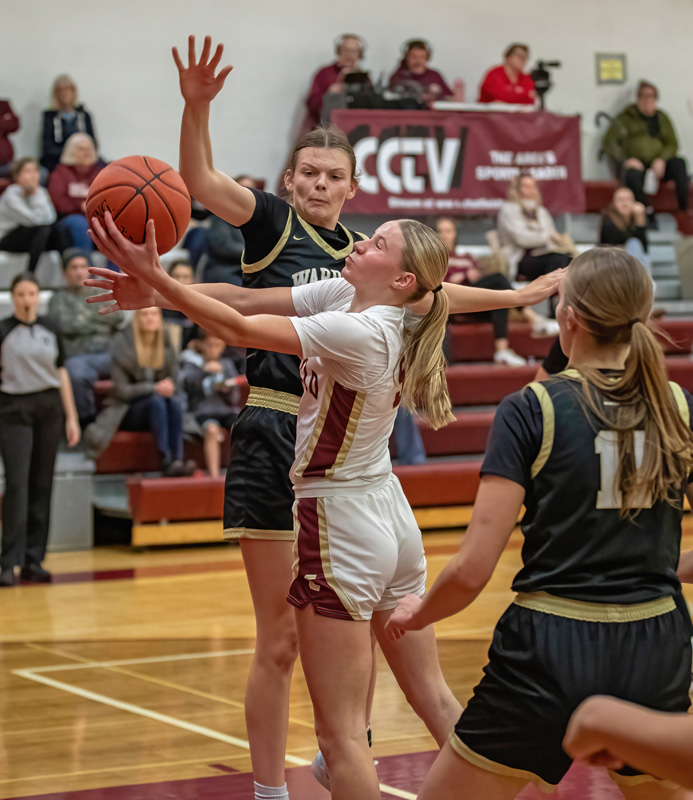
{"x": 124, "y": 680}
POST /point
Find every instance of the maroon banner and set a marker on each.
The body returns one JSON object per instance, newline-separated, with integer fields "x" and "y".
{"x": 460, "y": 162}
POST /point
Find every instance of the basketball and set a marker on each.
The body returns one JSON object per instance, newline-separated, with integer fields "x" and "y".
{"x": 139, "y": 188}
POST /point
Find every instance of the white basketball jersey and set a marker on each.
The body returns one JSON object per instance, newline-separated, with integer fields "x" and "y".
{"x": 352, "y": 380}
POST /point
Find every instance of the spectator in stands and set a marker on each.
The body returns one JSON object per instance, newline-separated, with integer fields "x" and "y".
{"x": 9, "y": 123}
{"x": 350, "y": 50}
{"x": 181, "y": 330}
{"x": 27, "y": 216}
{"x": 508, "y": 83}
{"x": 642, "y": 142}
{"x": 413, "y": 71}
{"x": 225, "y": 245}
{"x": 528, "y": 235}
{"x": 624, "y": 225}
{"x": 464, "y": 269}
{"x": 36, "y": 406}
{"x": 144, "y": 371}
{"x": 69, "y": 186}
{"x": 64, "y": 119}
{"x": 86, "y": 334}
{"x": 209, "y": 381}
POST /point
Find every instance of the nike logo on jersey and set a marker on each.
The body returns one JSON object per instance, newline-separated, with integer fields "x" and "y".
{"x": 299, "y": 238}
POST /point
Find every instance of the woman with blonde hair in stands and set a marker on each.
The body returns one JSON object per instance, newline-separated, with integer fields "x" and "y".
{"x": 360, "y": 359}
{"x": 600, "y": 456}
{"x": 527, "y": 233}
{"x": 65, "y": 117}
{"x": 69, "y": 185}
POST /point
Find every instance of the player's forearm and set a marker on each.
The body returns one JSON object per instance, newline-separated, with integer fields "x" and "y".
{"x": 67, "y": 397}
{"x": 196, "y": 162}
{"x": 685, "y": 571}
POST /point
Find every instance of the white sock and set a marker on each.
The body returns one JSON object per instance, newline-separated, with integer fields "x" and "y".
{"x": 271, "y": 792}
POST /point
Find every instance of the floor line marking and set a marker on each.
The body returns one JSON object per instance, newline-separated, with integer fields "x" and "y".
{"x": 84, "y": 664}
{"x": 30, "y": 674}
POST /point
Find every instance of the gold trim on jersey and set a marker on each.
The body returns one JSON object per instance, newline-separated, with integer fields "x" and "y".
{"x": 315, "y": 236}
{"x": 593, "y": 612}
{"x": 549, "y": 424}
{"x": 232, "y": 534}
{"x": 271, "y": 398}
{"x": 317, "y": 430}
{"x": 636, "y": 780}
{"x": 349, "y": 433}
{"x": 332, "y": 582}
{"x": 681, "y": 402}
{"x": 269, "y": 258}
{"x": 465, "y": 752}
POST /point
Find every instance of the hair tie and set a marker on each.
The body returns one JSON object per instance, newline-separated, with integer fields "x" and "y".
{"x": 437, "y": 289}
{"x": 633, "y": 321}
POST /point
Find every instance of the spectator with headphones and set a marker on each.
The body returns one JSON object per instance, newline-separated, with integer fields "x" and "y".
{"x": 413, "y": 71}
{"x": 508, "y": 83}
{"x": 350, "y": 50}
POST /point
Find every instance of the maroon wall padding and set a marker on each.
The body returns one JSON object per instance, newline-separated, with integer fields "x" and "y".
{"x": 446, "y": 484}
{"x": 466, "y": 436}
{"x": 680, "y": 369}
{"x": 135, "y": 451}
{"x": 474, "y": 341}
{"x": 175, "y": 499}
{"x": 486, "y": 384}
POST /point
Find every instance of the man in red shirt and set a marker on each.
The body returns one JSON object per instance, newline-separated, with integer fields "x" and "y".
{"x": 508, "y": 83}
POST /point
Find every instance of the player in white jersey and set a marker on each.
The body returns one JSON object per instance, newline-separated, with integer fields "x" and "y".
{"x": 358, "y": 545}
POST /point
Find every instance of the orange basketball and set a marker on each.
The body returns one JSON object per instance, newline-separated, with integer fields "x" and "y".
{"x": 139, "y": 188}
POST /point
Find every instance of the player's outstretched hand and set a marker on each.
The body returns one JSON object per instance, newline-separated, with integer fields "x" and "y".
{"x": 402, "y": 618}
{"x": 541, "y": 288}
{"x": 137, "y": 260}
{"x": 129, "y": 293}
{"x": 199, "y": 84}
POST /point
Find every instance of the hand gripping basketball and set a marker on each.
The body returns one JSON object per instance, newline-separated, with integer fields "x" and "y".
{"x": 198, "y": 83}
{"x": 139, "y": 261}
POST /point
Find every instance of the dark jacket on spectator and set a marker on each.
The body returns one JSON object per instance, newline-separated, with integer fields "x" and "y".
{"x": 629, "y": 137}
{"x": 64, "y": 181}
{"x": 613, "y": 234}
{"x": 83, "y": 329}
{"x": 130, "y": 381}
{"x": 202, "y": 392}
{"x": 402, "y": 76}
{"x": 57, "y": 128}
{"x": 9, "y": 123}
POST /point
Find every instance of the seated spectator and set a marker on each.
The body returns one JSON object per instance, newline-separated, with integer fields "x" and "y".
{"x": 59, "y": 123}
{"x": 642, "y": 143}
{"x": 144, "y": 371}
{"x": 350, "y": 50}
{"x": 181, "y": 330}
{"x": 413, "y": 71}
{"x": 465, "y": 270}
{"x": 27, "y": 216}
{"x": 9, "y": 123}
{"x": 225, "y": 245}
{"x": 209, "y": 382}
{"x": 508, "y": 83}
{"x": 528, "y": 235}
{"x": 69, "y": 186}
{"x": 86, "y": 333}
{"x": 624, "y": 225}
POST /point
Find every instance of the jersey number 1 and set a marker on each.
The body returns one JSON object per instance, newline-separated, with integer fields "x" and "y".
{"x": 606, "y": 447}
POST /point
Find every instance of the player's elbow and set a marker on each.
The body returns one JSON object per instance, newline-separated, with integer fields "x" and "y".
{"x": 470, "y": 576}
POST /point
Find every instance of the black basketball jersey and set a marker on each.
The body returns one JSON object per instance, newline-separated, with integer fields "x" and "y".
{"x": 282, "y": 249}
{"x": 576, "y": 543}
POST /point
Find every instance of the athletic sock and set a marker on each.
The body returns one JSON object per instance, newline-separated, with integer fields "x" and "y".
{"x": 271, "y": 792}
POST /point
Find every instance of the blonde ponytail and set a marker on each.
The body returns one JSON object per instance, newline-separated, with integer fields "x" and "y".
{"x": 425, "y": 387}
{"x": 611, "y": 294}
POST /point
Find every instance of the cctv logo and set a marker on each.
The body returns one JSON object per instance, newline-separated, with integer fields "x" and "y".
{"x": 427, "y": 164}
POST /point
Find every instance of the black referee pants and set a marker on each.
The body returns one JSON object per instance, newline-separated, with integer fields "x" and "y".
{"x": 30, "y": 429}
